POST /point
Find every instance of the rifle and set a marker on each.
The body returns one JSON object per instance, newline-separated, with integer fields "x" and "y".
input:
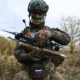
{"x": 27, "y": 44}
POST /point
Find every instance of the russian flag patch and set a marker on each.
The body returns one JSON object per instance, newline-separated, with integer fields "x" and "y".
{"x": 38, "y": 72}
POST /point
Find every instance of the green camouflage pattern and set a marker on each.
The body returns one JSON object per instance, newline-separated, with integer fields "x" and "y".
{"x": 23, "y": 56}
{"x": 53, "y": 75}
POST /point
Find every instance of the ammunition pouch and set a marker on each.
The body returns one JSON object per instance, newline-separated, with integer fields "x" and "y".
{"x": 38, "y": 71}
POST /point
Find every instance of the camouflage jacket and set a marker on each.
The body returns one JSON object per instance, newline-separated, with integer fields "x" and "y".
{"x": 60, "y": 37}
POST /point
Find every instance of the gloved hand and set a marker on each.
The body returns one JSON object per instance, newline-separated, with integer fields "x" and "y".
{"x": 18, "y": 36}
{"x": 42, "y": 36}
{"x": 36, "y": 54}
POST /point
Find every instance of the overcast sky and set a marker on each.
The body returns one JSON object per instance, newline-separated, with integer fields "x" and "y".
{"x": 13, "y": 11}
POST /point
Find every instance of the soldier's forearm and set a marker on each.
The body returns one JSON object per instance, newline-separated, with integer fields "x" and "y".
{"x": 21, "y": 55}
{"x": 61, "y": 38}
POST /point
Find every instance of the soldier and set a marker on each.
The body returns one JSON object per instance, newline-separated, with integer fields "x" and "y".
{"x": 39, "y": 66}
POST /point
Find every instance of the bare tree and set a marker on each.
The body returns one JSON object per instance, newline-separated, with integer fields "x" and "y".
{"x": 71, "y": 25}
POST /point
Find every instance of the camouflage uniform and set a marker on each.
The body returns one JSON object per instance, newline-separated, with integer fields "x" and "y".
{"x": 53, "y": 75}
{"x": 49, "y": 62}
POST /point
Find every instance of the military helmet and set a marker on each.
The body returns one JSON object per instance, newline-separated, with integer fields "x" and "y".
{"x": 37, "y": 5}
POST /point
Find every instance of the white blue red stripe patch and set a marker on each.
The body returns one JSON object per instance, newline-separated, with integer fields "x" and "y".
{"x": 38, "y": 72}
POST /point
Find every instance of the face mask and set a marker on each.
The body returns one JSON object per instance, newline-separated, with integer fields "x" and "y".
{"x": 37, "y": 17}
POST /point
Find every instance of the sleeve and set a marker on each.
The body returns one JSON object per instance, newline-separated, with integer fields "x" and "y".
{"x": 21, "y": 55}
{"x": 60, "y": 36}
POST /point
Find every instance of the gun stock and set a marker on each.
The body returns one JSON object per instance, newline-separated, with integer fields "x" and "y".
{"x": 30, "y": 47}
{"x": 57, "y": 58}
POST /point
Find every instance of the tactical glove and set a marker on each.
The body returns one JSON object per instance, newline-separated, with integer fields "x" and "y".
{"x": 42, "y": 36}
{"x": 36, "y": 54}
